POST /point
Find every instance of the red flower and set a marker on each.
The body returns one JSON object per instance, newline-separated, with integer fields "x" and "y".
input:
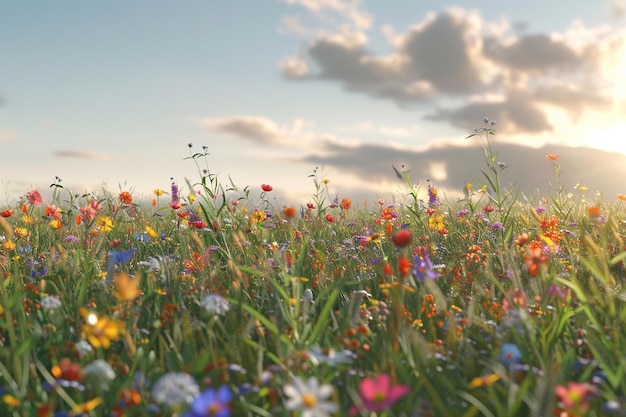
{"x": 266, "y": 187}
{"x": 488, "y": 208}
{"x": 6, "y": 213}
{"x": 402, "y": 238}
{"x": 329, "y": 218}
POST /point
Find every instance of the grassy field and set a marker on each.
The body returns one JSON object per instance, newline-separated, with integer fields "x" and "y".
{"x": 208, "y": 302}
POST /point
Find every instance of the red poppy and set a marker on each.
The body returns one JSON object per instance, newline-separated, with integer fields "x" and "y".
{"x": 329, "y": 218}
{"x": 6, "y": 213}
{"x": 402, "y": 238}
{"x": 126, "y": 197}
{"x": 266, "y": 187}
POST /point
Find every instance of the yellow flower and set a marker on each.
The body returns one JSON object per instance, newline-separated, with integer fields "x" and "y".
{"x": 20, "y": 232}
{"x": 105, "y": 223}
{"x": 484, "y": 381}
{"x": 28, "y": 219}
{"x": 56, "y": 223}
{"x": 10, "y": 400}
{"x": 325, "y": 181}
{"x": 158, "y": 192}
{"x": 100, "y": 331}
{"x": 258, "y": 216}
{"x": 150, "y": 231}
{"x": 9, "y": 245}
{"x": 192, "y": 198}
{"x": 85, "y": 407}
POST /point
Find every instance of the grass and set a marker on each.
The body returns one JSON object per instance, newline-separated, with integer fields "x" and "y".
{"x": 215, "y": 303}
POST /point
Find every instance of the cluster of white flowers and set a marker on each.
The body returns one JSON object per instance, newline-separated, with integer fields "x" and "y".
{"x": 175, "y": 389}
{"x": 215, "y": 304}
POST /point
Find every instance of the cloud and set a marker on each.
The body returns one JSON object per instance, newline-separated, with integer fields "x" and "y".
{"x": 80, "y": 155}
{"x": 450, "y": 167}
{"x": 351, "y": 11}
{"x": 457, "y": 62}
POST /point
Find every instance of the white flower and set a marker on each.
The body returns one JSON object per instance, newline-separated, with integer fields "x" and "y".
{"x": 100, "y": 373}
{"x": 329, "y": 356}
{"x": 175, "y": 389}
{"x": 215, "y": 304}
{"x": 50, "y": 302}
{"x": 310, "y": 397}
{"x": 83, "y": 347}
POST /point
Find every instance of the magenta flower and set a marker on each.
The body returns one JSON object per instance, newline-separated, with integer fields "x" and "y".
{"x": 379, "y": 394}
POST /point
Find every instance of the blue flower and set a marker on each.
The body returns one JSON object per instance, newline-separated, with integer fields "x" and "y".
{"x": 211, "y": 403}
{"x": 117, "y": 258}
{"x": 510, "y": 354}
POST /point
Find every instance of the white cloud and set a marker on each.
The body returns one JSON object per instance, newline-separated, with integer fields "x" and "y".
{"x": 351, "y": 11}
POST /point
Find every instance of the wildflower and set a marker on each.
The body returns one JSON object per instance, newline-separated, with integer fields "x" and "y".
{"x": 127, "y": 287}
{"x": 345, "y": 204}
{"x": 462, "y": 212}
{"x": 329, "y": 356}
{"x": 379, "y": 394}
{"x": 99, "y": 373}
{"x": 433, "y": 199}
{"x": 489, "y": 208}
{"x": 329, "y": 218}
{"x": 423, "y": 267}
{"x": 175, "y": 201}
{"x": 10, "y": 400}
{"x": 552, "y": 157}
{"x": 175, "y": 389}
{"x": 151, "y": 232}
{"x": 9, "y": 245}
{"x": 100, "y": 331}
{"x": 53, "y": 211}
{"x": 34, "y": 198}
{"x": 497, "y": 226}
{"x": 116, "y": 258}
{"x": 6, "y": 213}
{"x": 83, "y": 347}
{"x": 158, "y": 192}
{"x": 310, "y": 397}
{"x": 50, "y": 302}
{"x": 266, "y": 187}
{"x": 510, "y": 354}
{"x": 258, "y": 216}
{"x": 289, "y": 212}
{"x": 56, "y": 224}
{"x": 20, "y": 232}
{"x": 85, "y": 407}
{"x": 594, "y": 211}
{"x": 521, "y": 239}
{"x": 575, "y": 397}
{"x": 215, "y": 304}
{"x": 484, "y": 381}
{"x": 535, "y": 259}
{"x": 126, "y": 197}
{"x": 105, "y": 223}
{"x": 402, "y": 238}
{"x": 211, "y": 403}
{"x": 619, "y": 196}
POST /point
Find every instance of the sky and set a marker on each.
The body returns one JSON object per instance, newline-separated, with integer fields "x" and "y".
{"x": 108, "y": 95}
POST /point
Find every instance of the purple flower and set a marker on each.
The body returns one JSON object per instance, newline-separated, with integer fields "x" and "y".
{"x": 462, "y": 212}
{"x": 423, "y": 268}
{"x": 433, "y": 199}
{"x": 497, "y": 226}
{"x": 211, "y": 403}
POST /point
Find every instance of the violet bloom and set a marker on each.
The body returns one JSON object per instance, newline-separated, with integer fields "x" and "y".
{"x": 423, "y": 268}
{"x": 379, "y": 394}
{"x": 175, "y": 202}
{"x": 212, "y": 403}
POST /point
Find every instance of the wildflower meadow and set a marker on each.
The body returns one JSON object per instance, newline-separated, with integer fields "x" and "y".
{"x": 210, "y": 300}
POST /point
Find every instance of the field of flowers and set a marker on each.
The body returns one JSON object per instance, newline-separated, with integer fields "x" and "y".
{"x": 206, "y": 301}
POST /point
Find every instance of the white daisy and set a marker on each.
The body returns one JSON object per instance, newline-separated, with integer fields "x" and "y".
{"x": 310, "y": 397}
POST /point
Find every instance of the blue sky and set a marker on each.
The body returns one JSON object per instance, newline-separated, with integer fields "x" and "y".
{"x": 110, "y": 93}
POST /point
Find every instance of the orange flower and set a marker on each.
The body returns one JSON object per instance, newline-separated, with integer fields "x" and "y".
{"x": 552, "y": 157}
{"x": 345, "y": 204}
{"x": 126, "y": 197}
{"x": 127, "y": 287}
{"x": 594, "y": 211}
{"x": 289, "y": 212}
{"x": 621, "y": 197}
{"x": 85, "y": 407}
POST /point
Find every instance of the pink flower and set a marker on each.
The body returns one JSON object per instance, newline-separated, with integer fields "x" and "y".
{"x": 378, "y": 394}
{"x": 34, "y": 197}
{"x": 575, "y": 397}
